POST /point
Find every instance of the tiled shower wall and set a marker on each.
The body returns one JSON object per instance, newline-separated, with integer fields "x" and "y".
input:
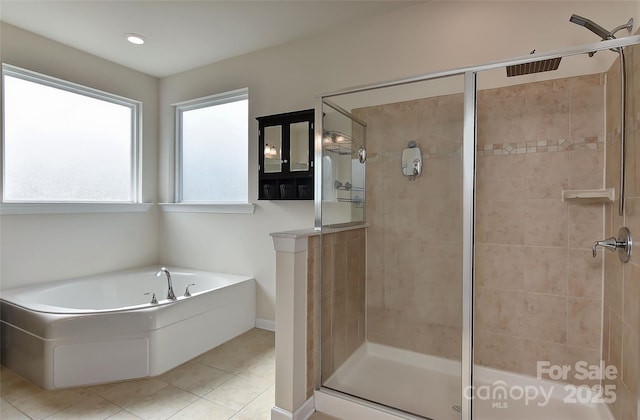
{"x": 414, "y": 254}
{"x": 621, "y": 320}
{"x": 342, "y": 303}
{"x": 538, "y": 288}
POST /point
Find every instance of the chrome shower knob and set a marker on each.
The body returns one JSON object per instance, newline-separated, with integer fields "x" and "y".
{"x": 622, "y": 243}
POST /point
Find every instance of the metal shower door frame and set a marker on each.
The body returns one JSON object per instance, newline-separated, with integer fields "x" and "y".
{"x": 468, "y": 228}
{"x": 468, "y": 177}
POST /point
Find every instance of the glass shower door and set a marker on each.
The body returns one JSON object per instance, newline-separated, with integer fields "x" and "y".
{"x": 343, "y": 237}
{"x": 392, "y": 291}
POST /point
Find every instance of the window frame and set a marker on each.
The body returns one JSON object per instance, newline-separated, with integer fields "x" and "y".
{"x": 70, "y": 206}
{"x": 206, "y": 206}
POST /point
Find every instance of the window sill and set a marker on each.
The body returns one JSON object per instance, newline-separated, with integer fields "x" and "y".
{"x": 224, "y": 208}
{"x": 72, "y": 208}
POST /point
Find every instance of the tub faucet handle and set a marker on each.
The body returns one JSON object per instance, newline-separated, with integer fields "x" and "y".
{"x": 153, "y": 297}
{"x": 187, "y": 293}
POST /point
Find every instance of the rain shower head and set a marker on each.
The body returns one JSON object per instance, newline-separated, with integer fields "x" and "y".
{"x": 533, "y": 67}
{"x": 592, "y": 26}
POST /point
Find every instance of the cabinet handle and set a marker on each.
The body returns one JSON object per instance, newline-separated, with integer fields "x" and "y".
{"x": 285, "y": 161}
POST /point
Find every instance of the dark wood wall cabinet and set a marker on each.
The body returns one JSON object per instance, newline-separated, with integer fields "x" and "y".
{"x": 285, "y": 156}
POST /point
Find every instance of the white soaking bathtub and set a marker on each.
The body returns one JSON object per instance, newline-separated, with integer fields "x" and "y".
{"x": 104, "y": 328}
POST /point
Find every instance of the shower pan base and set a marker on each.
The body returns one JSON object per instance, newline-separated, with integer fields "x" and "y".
{"x": 430, "y": 387}
{"x": 420, "y": 384}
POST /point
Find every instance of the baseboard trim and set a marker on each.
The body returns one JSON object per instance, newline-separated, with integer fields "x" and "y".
{"x": 278, "y": 413}
{"x": 265, "y": 324}
{"x": 303, "y": 413}
{"x": 306, "y": 410}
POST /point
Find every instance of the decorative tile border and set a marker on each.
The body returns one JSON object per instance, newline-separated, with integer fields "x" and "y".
{"x": 516, "y": 148}
{"x": 397, "y": 157}
{"x": 541, "y": 146}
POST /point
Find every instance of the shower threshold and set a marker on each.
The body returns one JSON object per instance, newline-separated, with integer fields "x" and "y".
{"x": 430, "y": 386}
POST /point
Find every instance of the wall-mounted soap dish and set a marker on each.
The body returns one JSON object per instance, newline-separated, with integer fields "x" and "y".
{"x": 588, "y": 196}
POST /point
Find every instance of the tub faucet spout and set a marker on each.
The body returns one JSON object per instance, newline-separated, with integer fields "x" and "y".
{"x": 170, "y": 294}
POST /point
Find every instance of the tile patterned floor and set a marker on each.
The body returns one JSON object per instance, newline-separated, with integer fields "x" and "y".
{"x": 232, "y": 381}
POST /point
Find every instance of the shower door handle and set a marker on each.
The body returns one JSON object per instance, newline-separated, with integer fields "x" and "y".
{"x": 622, "y": 244}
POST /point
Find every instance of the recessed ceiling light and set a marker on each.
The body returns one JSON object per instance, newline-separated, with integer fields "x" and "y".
{"x": 135, "y": 39}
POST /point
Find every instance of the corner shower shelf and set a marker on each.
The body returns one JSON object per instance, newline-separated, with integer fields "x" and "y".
{"x": 339, "y": 143}
{"x": 339, "y": 149}
{"x": 588, "y": 196}
{"x": 359, "y": 202}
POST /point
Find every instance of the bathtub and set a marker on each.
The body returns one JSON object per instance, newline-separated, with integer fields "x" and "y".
{"x": 104, "y": 328}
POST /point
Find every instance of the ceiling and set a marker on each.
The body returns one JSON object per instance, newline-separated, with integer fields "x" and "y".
{"x": 183, "y": 34}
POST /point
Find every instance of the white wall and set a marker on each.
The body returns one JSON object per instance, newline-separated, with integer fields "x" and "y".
{"x": 418, "y": 39}
{"x": 36, "y": 248}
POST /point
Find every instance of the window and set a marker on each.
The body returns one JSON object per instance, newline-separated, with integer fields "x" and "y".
{"x": 212, "y": 149}
{"x": 66, "y": 143}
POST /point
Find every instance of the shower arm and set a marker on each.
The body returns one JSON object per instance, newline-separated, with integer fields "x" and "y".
{"x": 628, "y": 26}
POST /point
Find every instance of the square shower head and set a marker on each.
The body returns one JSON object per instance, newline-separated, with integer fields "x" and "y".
{"x": 533, "y": 67}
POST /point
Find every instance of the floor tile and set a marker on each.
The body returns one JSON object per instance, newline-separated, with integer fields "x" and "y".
{"x": 196, "y": 378}
{"x": 9, "y": 412}
{"x": 128, "y": 393}
{"x": 238, "y": 354}
{"x": 162, "y": 404}
{"x": 204, "y": 410}
{"x": 88, "y": 406}
{"x": 236, "y": 392}
{"x": 8, "y": 378}
{"x": 123, "y": 415}
{"x": 228, "y": 359}
{"x": 36, "y": 402}
{"x": 263, "y": 369}
{"x": 259, "y": 408}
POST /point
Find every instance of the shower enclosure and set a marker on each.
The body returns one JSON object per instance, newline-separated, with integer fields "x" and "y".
{"x": 452, "y": 283}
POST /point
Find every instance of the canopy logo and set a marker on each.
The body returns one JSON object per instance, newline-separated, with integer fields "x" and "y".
{"x": 540, "y": 393}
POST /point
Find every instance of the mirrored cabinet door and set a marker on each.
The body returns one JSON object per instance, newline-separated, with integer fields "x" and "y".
{"x": 286, "y": 156}
{"x": 299, "y": 146}
{"x": 273, "y": 149}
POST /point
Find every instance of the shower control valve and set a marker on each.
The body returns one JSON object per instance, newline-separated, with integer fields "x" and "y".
{"x": 622, "y": 244}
